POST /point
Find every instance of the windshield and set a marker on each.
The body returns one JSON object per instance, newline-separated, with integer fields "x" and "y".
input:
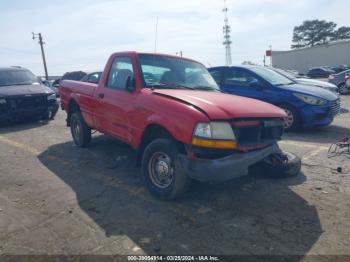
{"x": 271, "y": 76}
{"x": 285, "y": 73}
{"x": 176, "y": 73}
{"x": 17, "y": 77}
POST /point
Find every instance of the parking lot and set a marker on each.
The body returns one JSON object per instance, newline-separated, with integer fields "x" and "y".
{"x": 58, "y": 199}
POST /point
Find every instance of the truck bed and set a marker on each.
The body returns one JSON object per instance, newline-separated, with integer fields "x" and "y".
{"x": 83, "y": 94}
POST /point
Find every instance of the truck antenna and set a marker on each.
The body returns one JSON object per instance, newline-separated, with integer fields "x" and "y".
{"x": 156, "y": 36}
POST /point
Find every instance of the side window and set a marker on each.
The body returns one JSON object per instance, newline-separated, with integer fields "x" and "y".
{"x": 239, "y": 78}
{"x": 121, "y": 71}
{"x": 93, "y": 77}
{"x": 217, "y": 75}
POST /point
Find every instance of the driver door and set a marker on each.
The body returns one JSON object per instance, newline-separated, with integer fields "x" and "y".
{"x": 115, "y": 100}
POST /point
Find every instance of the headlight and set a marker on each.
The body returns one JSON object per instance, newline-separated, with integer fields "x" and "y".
{"x": 214, "y": 135}
{"x": 2, "y": 101}
{"x": 311, "y": 100}
{"x": 51, "y": 97}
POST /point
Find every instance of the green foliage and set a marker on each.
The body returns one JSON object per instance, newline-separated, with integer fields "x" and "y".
{"x": 318, "y": 32}
{"x": 341, "y": 34}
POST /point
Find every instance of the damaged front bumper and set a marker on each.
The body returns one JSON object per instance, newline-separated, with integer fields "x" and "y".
{"x": 9, "y": 113}
{"x": 226, "y": 168}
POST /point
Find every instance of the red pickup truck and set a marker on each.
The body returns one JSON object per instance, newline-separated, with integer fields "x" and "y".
{"x": 183, "y": 127}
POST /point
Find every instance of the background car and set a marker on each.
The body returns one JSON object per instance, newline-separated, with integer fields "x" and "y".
{"x": 49, "y": 84}
{"x": 23, "y": 96}
{"x": 340, "y": 68}
{"x": 339, "y": 81}
{"x": 305, "y": 105}
{"x": 347, "y": 83}
{"x": 92, "y": 77}
{"x": 296, "y": 77}
{"x": 319, "y": 72}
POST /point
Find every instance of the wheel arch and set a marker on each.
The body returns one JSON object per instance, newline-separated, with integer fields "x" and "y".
{"x": 152, "y": 132}
{"x": 73, "y": 106}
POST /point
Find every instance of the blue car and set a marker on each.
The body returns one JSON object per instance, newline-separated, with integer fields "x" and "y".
{"x": 305, "y": 105}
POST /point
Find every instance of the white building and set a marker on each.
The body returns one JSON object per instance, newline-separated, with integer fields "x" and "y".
{"x": 331, "y": 54}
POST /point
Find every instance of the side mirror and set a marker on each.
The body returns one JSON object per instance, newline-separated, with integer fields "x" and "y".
{"x": 257, "y": 85}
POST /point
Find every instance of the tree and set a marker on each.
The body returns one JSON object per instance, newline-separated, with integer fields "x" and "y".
{"x": 313, "y": 32}
{"x": 342, "y": 33}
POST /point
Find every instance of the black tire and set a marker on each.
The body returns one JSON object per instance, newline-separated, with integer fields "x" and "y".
{"x": 163, "y": 153}
{"x": 292, "y": 113}
{"x": 50, "y": 114}
{"x": 343, "y": 90}
{"x": 81, "y": 133}
{"x": 273, "y": 167}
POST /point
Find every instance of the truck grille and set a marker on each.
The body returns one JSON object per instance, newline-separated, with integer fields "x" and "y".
{"x": 257, "y": 132}
{"x": 29, "y": 102}
{"x": 335, "y": 107}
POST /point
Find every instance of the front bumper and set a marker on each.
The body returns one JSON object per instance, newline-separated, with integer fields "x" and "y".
{"x": 226, "y": 168}
{"x": 320, "y": 115}
{"x": 12, "y": 113}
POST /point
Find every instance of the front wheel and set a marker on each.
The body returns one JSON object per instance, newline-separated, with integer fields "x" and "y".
{"x": 162, "y": 174}
{"x": 343, "y": 89}
{"x": 81, "y": 133}
{"x": 292, "y": 121}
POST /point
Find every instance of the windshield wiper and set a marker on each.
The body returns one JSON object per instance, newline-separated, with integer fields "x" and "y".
{"x": 208, "y": 88}
{"x": 169, "y": 86}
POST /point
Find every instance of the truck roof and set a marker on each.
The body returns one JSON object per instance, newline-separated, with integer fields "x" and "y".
{"x": 156, "y": 54}
{"x": 11, "y": 68}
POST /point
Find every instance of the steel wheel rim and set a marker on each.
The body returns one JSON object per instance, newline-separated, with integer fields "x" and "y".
{"x": 161, "y": 170}
{"x": 288, "y": 122}
{"x": 76, "y": 130}
{"x": 342, "y": 89}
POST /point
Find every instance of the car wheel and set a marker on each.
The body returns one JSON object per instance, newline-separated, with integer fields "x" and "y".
{"x": 162, "y": 174}
{"x": 280, "y": 165}
{"x": 81, "y": 133}
{"x": 343, "y": 89}
{"x": 292, "y": 121}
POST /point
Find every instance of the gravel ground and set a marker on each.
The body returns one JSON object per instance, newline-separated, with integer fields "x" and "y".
{"x": 58, "y": 199}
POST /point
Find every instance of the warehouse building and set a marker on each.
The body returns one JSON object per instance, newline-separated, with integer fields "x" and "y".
{"x": 331, "y": 54}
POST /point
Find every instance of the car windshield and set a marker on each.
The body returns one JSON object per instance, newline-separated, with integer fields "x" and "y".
{"x": 176, "y": 73}
{"x": 271, "y": 76}
{"x": 286, "y": 73}
{"x": 17, "y": 77}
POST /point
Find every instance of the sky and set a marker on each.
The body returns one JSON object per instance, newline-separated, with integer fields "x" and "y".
{"x": 81, "y": 34}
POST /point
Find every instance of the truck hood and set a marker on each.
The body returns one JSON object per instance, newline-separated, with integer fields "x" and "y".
{"x": 18, "y": 90}
{"x": 220, "y": 106}
{"x": 311, "y": 90}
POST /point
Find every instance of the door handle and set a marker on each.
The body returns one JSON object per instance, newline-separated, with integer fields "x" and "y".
{"x": 101, "y": 95}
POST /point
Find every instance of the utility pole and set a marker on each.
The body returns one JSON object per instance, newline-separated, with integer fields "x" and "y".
{"x": 227, "y": 37}
{"x": 271, "y": 64}
{"x": 38, "y": 36}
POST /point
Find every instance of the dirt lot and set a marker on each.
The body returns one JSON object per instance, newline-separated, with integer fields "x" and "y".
{"x": 58, "y": 199}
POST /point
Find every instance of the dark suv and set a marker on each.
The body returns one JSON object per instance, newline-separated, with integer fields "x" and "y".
{"x": 23, "y": 96}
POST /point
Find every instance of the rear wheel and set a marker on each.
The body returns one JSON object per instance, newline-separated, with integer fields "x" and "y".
{"x": 81, "y": 133}
{"x": 292, "y": 122}
{"x": 161, "y": 172}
